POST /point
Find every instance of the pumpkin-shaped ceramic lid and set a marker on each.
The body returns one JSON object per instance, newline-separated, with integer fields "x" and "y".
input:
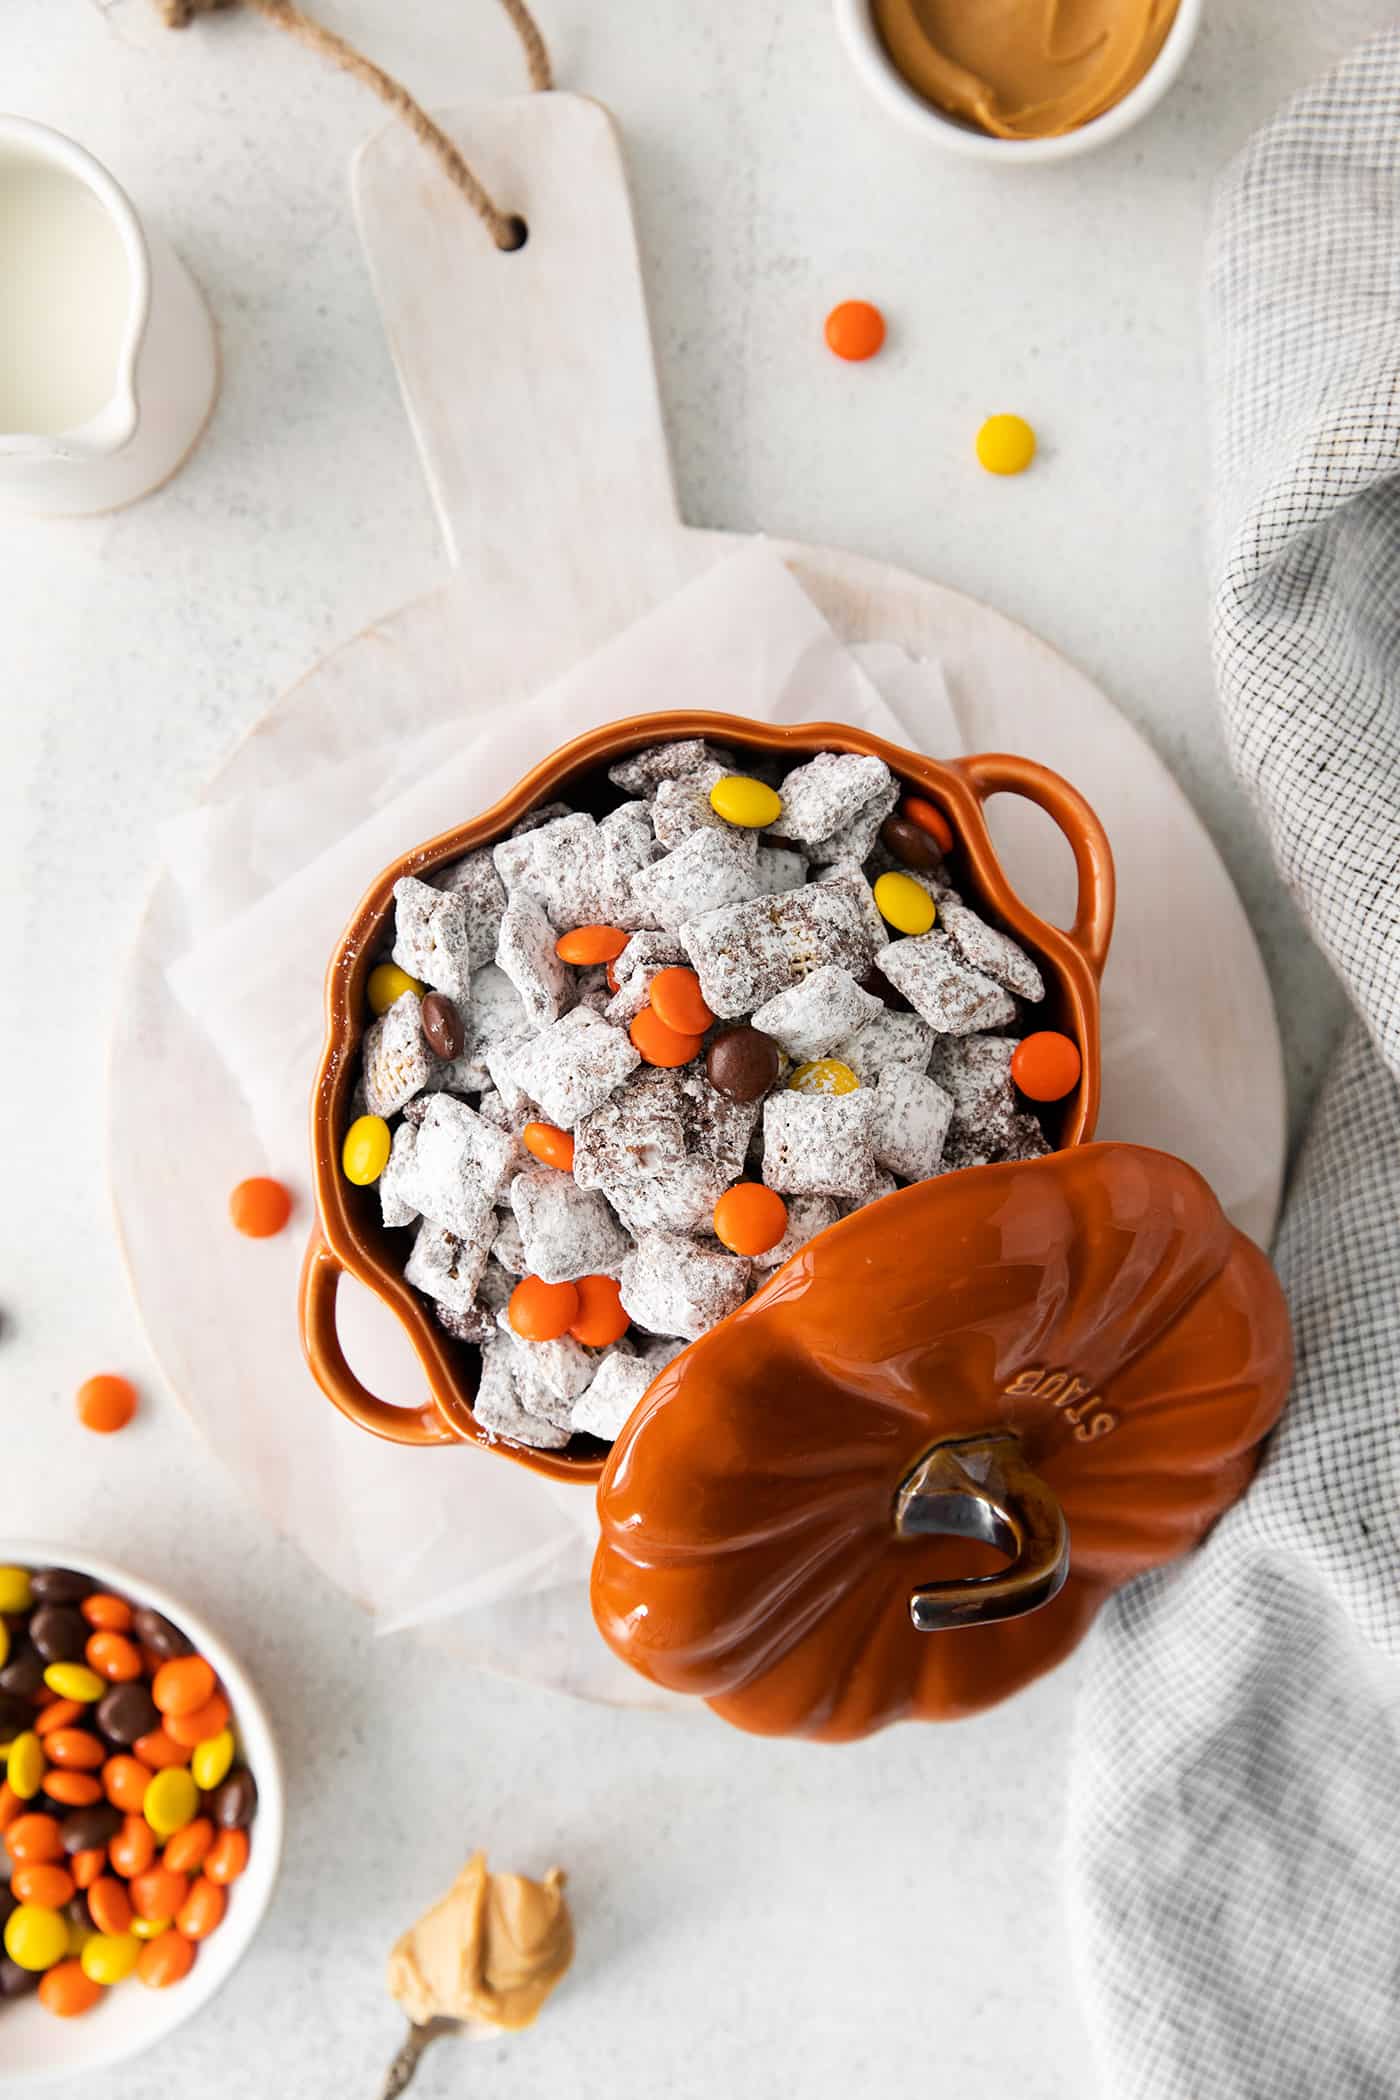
{"x": 899, "y": 1481}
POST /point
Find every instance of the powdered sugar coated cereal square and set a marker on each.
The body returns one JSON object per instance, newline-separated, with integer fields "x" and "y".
{"x": 476, "y": 880}
{"x": 826, "y": 794}
{"x": 912, "y": 1118}
{"x": 809, "y": 1018}
{"x": 633, "y": 1135}
{"x": 617, "y": 1388}
{"x": 751, "y": 952}
{"x": 952, "y": 997}
{"x": 992, "y": 952}
{"x": 644, "y": 770}
{"x": 525, "y": 951}
{"x": 888, "y": 1038}
{"x": 446, "y": 1267}
{"x": 497, "y": 1407}
{"x": 807, "y": 1216}
{"x": 674, "y": 1285}
{"x": 432, "y": 937}
{"x": 567, "y": 1231}
{"x": 396, "y": 1206}
{"x": 461, "y": 1164}
{"x": 708, "y": 872}
{"x": 571, "y": 1067}
{"x": 397, "y": 1060}
{"x": 820, "y": 1144}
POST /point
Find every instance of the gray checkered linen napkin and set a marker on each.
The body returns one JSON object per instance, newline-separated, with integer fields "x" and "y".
{"x": 1235, "y": 1800}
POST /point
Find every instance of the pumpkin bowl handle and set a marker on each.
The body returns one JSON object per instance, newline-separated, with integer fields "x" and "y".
{"x": 320, "y": 1281}
{"x": 982, "y": 1488}
{"x": 1003, "y": 773}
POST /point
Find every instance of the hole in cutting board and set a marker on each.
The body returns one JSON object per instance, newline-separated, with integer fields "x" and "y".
{"x": 1036, "y": 856}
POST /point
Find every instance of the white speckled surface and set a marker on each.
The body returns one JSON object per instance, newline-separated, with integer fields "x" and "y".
{"x": 750, "y": 1914}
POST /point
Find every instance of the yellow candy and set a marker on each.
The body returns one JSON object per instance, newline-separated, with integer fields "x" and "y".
{"x": 150, "y": 1928}
{"x": 172, "y": 1800}
{"x": 365, "y": 1154}
{"x": 36, "y": 1938}
{"x": 78, "y": 1937}
{"x": 387, "y": 982}
{"x": 212, "y": 1759}
{"x": 110, "y": 1957}
{"x": 4, "y": 1644}
{"x": 905, "y": 903}
{"x": 824, "y": 1075}
{"x": 745, "y": 802}
{"x": 75, "y": 1681}
{"x": 26, "y": 1765}
{"x": 15, "y": 1593}
{"x": 1006, "y": 445}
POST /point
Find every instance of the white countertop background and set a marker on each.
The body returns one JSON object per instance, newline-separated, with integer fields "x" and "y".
{"x": 753, "y": 1917}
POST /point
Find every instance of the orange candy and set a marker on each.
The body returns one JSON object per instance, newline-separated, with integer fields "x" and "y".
{"x": 109, "y": 1905}
{"x": 601, "y": 1318}
{"x": 855, "y": 330}
{"x": 228, "y": 1858}
{"x": 165, "y": 1961}
{"x": 34, "y": 1840}
{"x": 106, "y": 1403}
{"x": 659, "y": 1045}
{"x": 186, "y": 1852}
{"x": 676, "y": 996}
{"x": 591, "y": 944}
{"x": 58, "y": 1716}
{"x": 68, "y": 1991}
{"x": 73, "y": 1789}
{"x": 158, "y": 1893}
{"x": 189, "y": 1730}
{"x": 550, "y": 1144}
{"x": 133, "y": 1849}
{"x": 541, "y": 1312}
{"x": 159, "y": 1749}
{"x": 182, "y": 1685}
{"x": 10, "y": 1805}
{"x": 202, "y": 1911}
{"x": 124, "y": 1781}
{"x": 928, "y": 819}
{"x": 87, "y": 1867}
{"x": 74, "y": 1749}
{"x": 43, "y": 1883}
{"x": 259, "y": 1207}
{"x": 112, "y": 1614}
{"x": 114, "y": 1657}
{"x": 1046, "y": 1066}
{"x": 750, "y": 1218}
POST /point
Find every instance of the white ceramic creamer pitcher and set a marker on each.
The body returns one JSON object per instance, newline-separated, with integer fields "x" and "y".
{"x": 108, "y": 362}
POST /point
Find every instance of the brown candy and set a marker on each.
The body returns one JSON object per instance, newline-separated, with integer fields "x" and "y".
{"x": 15, "y": 1716}
{"x": 127, "y": 1712}
{"x": 16, "y": 1982}
{"x": 88, "y": 1828}
{"x": 442, "y": 1025}
{"x": 23, "y": 1674}
{"x": 909, "y": 844}
{"x": 743, "y": 1063}
{"x": 159, "y": 1635}
{"x": 234, "y": 1804}
{"x": 59, "y": 1633}
{"x": 61, "y": 1585}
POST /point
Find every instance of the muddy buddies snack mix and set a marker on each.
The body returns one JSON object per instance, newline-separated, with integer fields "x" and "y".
{"x": 645, "y": 1055}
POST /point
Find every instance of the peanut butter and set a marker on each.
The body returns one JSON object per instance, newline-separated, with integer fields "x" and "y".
{"x": 1024, "y": 69}
{"x": 489, "y": 1953}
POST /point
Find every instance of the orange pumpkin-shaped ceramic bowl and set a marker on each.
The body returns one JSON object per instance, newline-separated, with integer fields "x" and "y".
{"x": 349, "y": 1234}
{"x": 899, "y": 1482}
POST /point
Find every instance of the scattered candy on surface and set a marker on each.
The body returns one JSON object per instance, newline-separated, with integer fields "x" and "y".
{"x": 259, "y": 1207}
{"x": 365, "y": 1153}
{"x": 904, "y": 903}
{"x": 657, "y": 1044}
{"x": 1005, "y": 445}
{"x": 550, "y": 1145}
{"x": 823, "y": 1075}
{"x": 676, "y": 997}
{"x": 751, "y": 804}
{"x": 749, "y": 1218}
{"x": 106, "y": 1403}
{"x": 1046, "y": 1066}
{"x": 855, "y": 329}
{"x": 387, "y": 982}
{"x": 587, "y": 945}
{"x": 541, "y": 1312}
{"x": 928, "y": 817}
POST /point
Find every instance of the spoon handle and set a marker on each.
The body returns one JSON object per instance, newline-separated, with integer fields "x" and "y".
{"x": 401, "y": 2070}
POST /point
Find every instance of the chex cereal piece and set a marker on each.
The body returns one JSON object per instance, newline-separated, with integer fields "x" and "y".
{"x": 496, "y": 1285}
{"x": 856, "y": 840}
{"x": 636, "y": 1133}
{"x": 848, "y": 876}
{"x": 913, "y": 1114}
{"x": 1022, "y": 1138}
{"x": 618, "y": 1386}
{"x": 575, "y": 869}
{"x": 525, "y": 951}
{"x": 496, "y": 1403}
{"x": 571, "y": 1067}
{"x": 682, "y": 806}
{"x": 475, "y": 878}
{"x": 642, "y": 772}
{"x": 477, "y": 1324}
{"x": 649, "y": 950}
{"x": 750, "y": 952}
{"x": 952, "y": 997}
{"x": 447, "y": 1267}
{"x": 673, "y": 1285}
{"x": 500, "y": 1071}
{"x": 820, "y": 1144}
{"x": 810, "y": 1017}
{"x": 889, "y": 1038}
{"x": 536, "y": 819}
{"x": 807, "y": 1216}
{"x": 592, "y": 989}
{"x": 563, "y": 1367}
{"x": 397, "y": 1060}
{"x": 461, "y": 1164}
{"x": 497, "y": 1011}
{"x": 717, "y": 1129}
{"x": 826, "y": 794}
{"x": 567, "y": 1231}
{"x": 432, "y": 936}
{"x": 975, "y": 1072}
{"x": 884, "y": 1185}
{"x": 508, "y": 1247}
{"x": 397, "y": 1206}
{"x": 625, "y": 1005}
{"x": 708, "y": 872}
{"x": 994, "y": 953}
{"x": 682, "y": 1199}
{"x": 778, "y": 869}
